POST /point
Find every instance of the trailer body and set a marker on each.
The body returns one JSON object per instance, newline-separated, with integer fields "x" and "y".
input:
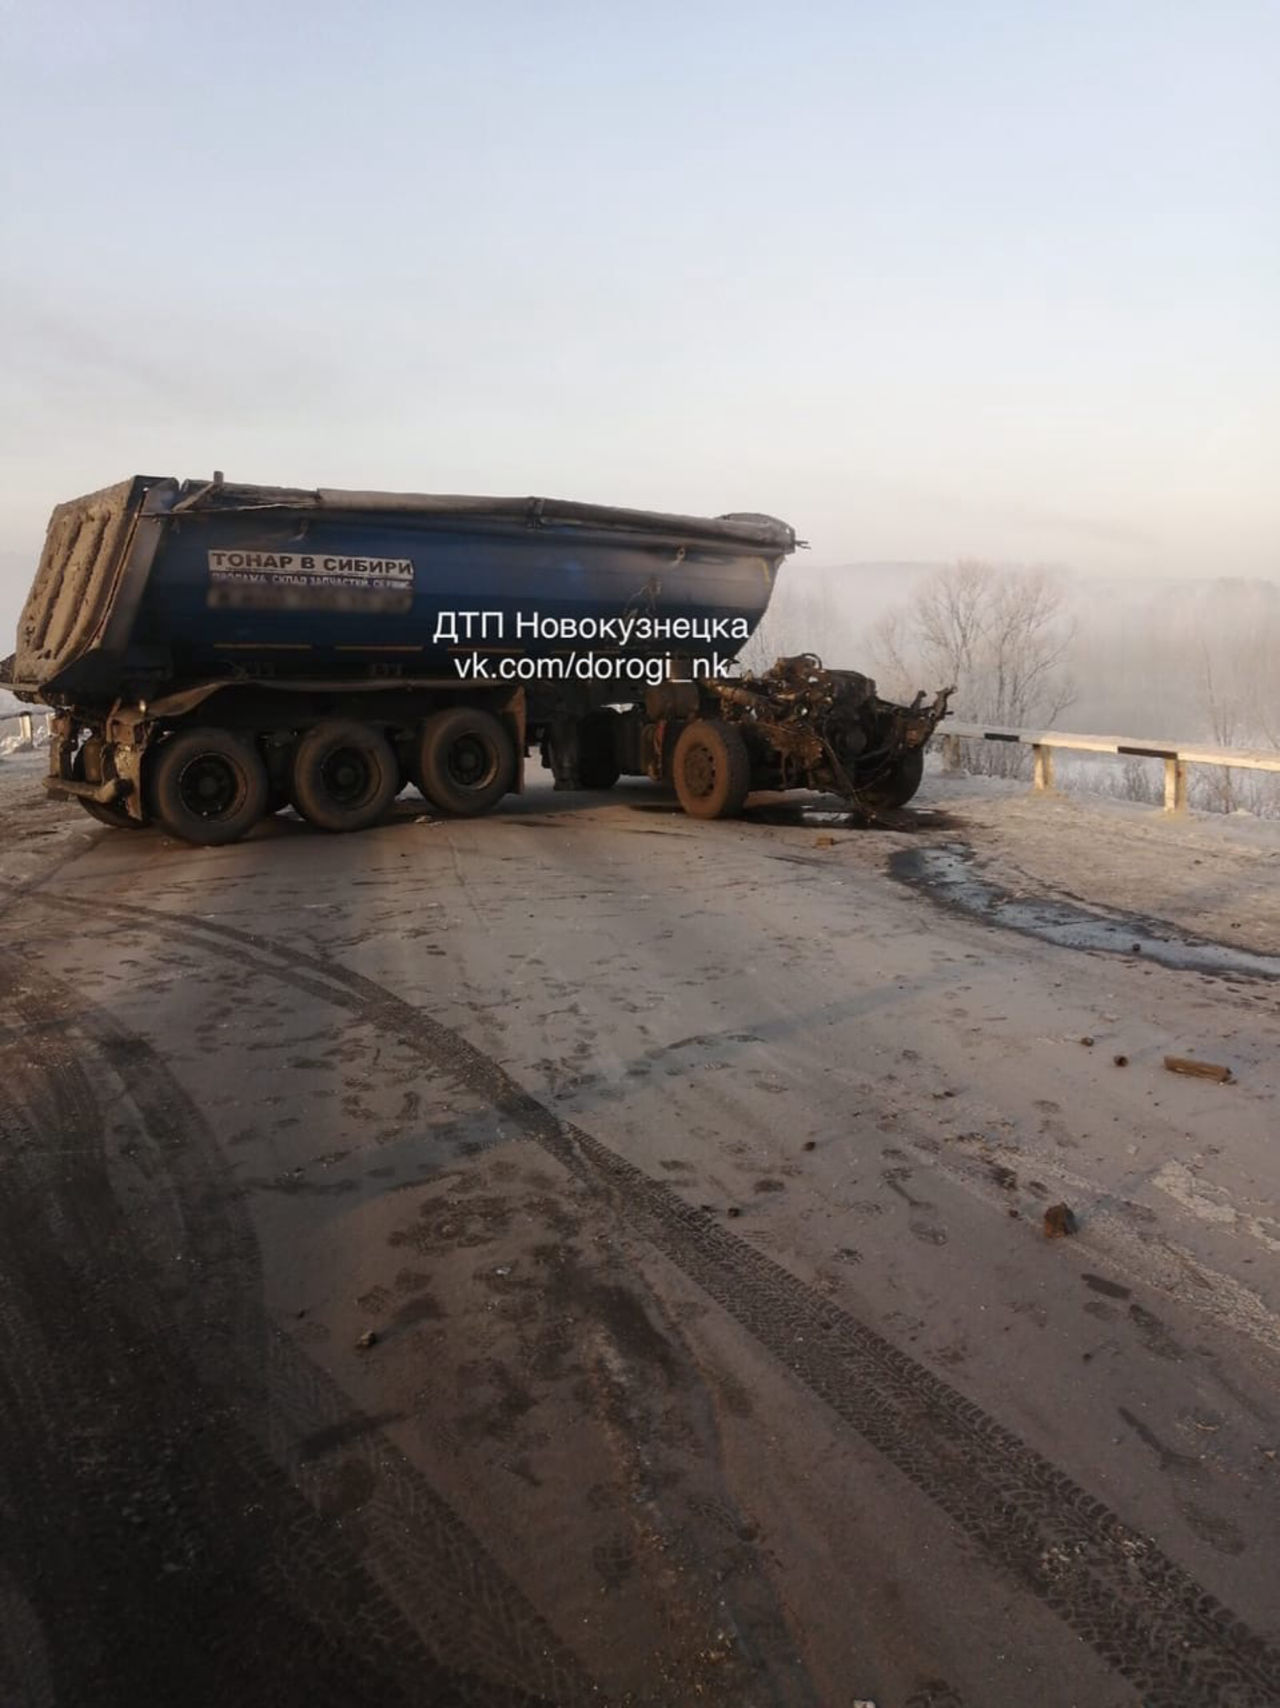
{"x": 155, "y": 585}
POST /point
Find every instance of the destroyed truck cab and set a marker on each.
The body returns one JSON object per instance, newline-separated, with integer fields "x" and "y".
{"x": 214, "y": 652}
{"x": 796, "y": 725}
{"x": 808, "y": 727}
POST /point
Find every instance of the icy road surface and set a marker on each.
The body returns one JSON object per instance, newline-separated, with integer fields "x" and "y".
{"x": 585, "y": 1255}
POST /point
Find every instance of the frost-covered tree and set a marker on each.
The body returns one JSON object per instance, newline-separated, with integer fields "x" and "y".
{"x": 1000, "y": 636}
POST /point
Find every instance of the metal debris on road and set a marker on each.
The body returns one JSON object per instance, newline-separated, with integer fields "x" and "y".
{"x": 1059, "y": 1221}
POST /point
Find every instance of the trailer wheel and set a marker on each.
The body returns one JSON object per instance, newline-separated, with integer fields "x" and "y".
{"x": 598, "y": 766}
{"x": 895, "y": 786}
{"x": 711, "y": 769}
{"x": 208, "y": 786}
{"x": 345, "y": 776}
{"x": 111, "y": 813}
{"x": 466, "y": 761}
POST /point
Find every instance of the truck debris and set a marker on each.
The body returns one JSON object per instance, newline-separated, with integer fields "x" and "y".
{"x": 1060, "y": 1222}
{"x": 1199, "y": 1070}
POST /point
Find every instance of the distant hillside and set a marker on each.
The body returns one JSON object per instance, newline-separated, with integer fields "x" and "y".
{"x": 1163, "y": 657}
{"x": 1238, "y": 595}
{"x": 1172, "y": 658}
{"x": 830, "y": 609}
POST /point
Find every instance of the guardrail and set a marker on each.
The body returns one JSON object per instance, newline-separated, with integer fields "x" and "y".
{"x": 25, "y": 722}
{"x": 1176, "y": 755}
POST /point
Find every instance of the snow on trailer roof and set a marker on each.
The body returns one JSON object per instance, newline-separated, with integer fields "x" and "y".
{"x": 761, "y": 532}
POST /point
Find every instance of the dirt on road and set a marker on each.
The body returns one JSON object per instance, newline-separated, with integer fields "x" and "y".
{"x": 589, "y": 1256}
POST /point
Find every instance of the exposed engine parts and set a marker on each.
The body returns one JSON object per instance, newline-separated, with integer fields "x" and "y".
{"x": 829, "y": 729}
{"x": 796, "y": 725}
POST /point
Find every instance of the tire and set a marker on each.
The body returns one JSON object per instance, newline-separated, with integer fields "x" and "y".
{"x": 466, "y": 761}
{"x": 598, "y": 766}
{"x": 345, "y": 776}
{"x": 895, "y": 786}
{"x": 114, "y": 816}
{"x": 711, "y": 769}
{"x": 208, "y": 786}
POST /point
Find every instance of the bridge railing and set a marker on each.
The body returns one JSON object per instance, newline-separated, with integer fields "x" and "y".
{"x": 26, "y": 725}
{"x": 1044, "y": 743}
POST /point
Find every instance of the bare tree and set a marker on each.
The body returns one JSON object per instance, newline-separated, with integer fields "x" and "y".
{"x": 1001, "y": 636}
{"x": 1258, "y": 675}
{"x": 1024, "y": 649}
{"x": 953, "y": 618}
{"x": 799, "y": 618}
{"x": 1222, "y": 706}
{"x": 891, "y": 649}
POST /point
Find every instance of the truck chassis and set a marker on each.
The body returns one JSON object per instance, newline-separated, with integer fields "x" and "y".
{"x": 210, "y": 762}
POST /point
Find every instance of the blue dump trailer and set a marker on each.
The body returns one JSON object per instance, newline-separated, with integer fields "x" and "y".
{"x": 213, "y": 652}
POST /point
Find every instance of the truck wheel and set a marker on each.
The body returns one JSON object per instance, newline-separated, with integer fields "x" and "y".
{"x": 895, "y": 786}
{"x": 598, "y": 766}
{"x": 111, "y": 813}
{"x": 466, "y": 761}
{"x": 345, "y": 776}
{"x": 711, "y": 769}
{"x": 208, "y": 786}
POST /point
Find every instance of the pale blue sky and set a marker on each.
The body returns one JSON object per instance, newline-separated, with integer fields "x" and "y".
{"x": 924, "y": 279}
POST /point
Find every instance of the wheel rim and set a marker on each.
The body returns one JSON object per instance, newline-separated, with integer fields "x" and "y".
{"x": 699, "y": 771}
{"x": 471, "y": 762}
{"x": 210, "y": 785}
{"x": 348, "y": 776}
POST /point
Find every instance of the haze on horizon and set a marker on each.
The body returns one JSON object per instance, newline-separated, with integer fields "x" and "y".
{"x": 927, "y": 281}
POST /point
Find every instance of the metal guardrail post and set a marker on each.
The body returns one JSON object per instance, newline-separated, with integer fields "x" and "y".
{"x": 1175, "y": 785}
{"x": 952, "y": 756}
{"x": 1042, "y": 775}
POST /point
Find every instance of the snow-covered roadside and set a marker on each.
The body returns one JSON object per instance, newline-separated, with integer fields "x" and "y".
{"x": 1213, "y": 874}
{"x": 35, "y": 831}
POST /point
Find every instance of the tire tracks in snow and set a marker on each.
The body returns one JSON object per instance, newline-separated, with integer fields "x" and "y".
{"x": 1140, "y": 1611}
{"x": 160, "y": 1542}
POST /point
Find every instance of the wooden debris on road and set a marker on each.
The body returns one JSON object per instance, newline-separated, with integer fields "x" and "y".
{"x": 1199, "y": 1070}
